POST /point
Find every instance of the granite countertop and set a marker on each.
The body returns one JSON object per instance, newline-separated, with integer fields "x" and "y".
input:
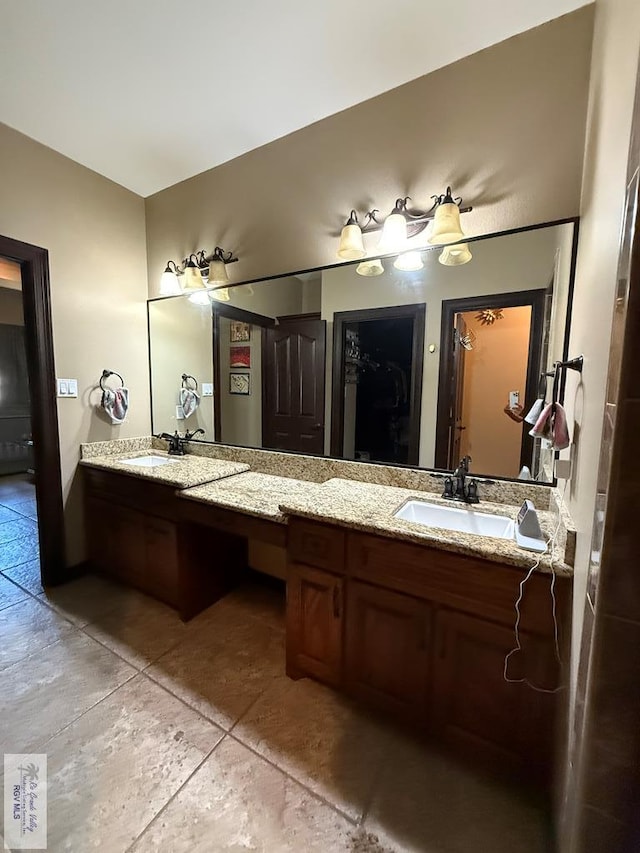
{"x": 182, "y": 472}
{"x": 370, "y": 508}
{"x": 255, "y": 494}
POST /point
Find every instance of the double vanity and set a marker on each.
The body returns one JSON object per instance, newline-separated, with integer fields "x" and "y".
{"x": 390, "y": 598}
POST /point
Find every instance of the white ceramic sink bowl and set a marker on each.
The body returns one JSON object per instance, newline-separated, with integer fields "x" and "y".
{"x": 149, "y": 461}
{"x": 457, "y": 518}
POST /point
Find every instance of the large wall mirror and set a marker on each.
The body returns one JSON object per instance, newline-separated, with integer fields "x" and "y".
{"x": 374, "y": 362}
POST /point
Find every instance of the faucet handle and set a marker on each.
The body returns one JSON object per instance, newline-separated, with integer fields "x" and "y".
{"x": 472, "y": 492}
{"x": 448, "y": 488}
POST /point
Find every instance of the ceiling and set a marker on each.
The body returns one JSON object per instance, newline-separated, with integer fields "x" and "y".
{"x": 150, "y": 92}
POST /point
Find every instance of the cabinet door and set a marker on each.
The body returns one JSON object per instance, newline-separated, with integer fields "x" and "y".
{"x": 314, "y": 623}
{"x": 475, "y": 711}
{"x": 99, "y": 519}
{"x": 127, "y": 552}
{"x": 387, "y": 649}
{"x": 161, "y": 569}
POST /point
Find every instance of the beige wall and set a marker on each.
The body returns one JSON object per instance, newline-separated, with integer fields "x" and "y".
{"x": 181, "y": 341}
{"x": 11, "y": 306}
{"x": 505, "y": 127}
{"x": 241, "y": 415}
{"x": 613, "y": 77}
{"x": 95, "y": 233}
{"x": 496, "y": 365}
{"x": 614, "y": 68}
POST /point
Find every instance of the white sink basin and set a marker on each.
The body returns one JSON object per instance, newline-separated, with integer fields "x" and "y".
{"x": 457, "y": 518}
{"x": 149, "y": 461}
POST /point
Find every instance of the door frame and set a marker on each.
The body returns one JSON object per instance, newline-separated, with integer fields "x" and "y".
{"x": 416, "y": 312}
{"x": 36, "y": 299}
{"x": 230, "y": 312}
{"x": 451, "y": 307}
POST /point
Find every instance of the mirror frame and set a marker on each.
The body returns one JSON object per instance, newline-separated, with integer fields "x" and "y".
{"x": 221, "y": 309}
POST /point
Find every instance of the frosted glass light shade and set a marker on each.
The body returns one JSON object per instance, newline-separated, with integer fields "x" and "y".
{"x": 169, "y": 284}
{"x": 221, "y": 294}
{"x": 200, "y": 297}
{"x": 409, "y": 261}
{"x": 351, "y": 245}
{"x": 394, "y": 233}
{"x": 192, "y": 278}
{"x": 446, "y": 224}
{"x": 218, "y": 273}
{"x": 455, "y": 256}
{"x": 370, "y": 268}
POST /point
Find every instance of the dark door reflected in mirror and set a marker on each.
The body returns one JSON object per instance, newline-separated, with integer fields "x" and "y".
{"x": 413, "y": 367}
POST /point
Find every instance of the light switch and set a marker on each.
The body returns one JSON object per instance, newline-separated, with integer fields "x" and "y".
{"x": 63, "y": 387}
{"x": 72, "y": 388}
{"x": 207, "y": 389}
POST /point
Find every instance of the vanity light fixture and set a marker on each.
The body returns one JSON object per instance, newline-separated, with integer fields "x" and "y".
{"x": 455, "y": 256}
{"x": 404, "y": 223}
{"x": 394, "y": 230}
{"x": 370, "y": 268}
{"x": 169, "y": 283}
{"x": 192, "y": 275}
{"x": 351, "y": 246}
{"x": 446, "y": 220}
{"x": 409, "y": 261}
{"x": 198, "y": 273}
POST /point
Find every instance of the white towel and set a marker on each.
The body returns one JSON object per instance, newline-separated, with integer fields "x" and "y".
{"x": 189, "y": 400}
{"x": 535, "y": 411}
{"x": 115, "y": 402}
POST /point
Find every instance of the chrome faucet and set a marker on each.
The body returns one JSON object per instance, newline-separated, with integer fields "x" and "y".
{"x": 458, "y": 487}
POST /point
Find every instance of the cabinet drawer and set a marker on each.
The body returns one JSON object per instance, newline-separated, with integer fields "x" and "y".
{"x": 464, "y": 583}
{"x": 316, "y": 545}
{"x": 134, "y": 492}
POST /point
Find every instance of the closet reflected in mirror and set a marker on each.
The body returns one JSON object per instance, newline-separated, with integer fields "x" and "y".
{"x": 375, "y": 362}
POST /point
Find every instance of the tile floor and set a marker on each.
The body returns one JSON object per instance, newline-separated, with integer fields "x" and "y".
{"x": 162, "y": 736}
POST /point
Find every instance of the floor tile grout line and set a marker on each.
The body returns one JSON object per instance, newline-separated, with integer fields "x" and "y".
{"x": 229, "y": 733}
{"x": 91, "y": 708}
{"x": 315, "y": 794}
{"x": 176, "y": 792}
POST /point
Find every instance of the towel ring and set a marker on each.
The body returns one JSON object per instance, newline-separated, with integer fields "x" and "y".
{"x": 185, "y": 379}
{"x": 106, "y": 374}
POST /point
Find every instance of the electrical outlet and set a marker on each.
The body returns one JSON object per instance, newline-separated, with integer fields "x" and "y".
{"x": 179, "y": 413}
{"x": 207, "y": 389}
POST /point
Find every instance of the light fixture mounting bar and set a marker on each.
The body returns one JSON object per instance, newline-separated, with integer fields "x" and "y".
{"x": 412, "y": 219}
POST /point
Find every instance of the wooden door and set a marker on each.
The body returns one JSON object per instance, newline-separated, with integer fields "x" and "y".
{"x": 387, "y": 649}
{"x": 293, "y": 372}
{"x": 314, "y": 623}
{"x": 476, "y": 712}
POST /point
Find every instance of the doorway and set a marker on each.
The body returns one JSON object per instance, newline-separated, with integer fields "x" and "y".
{"x": 490, "y": 363}
{"x": 31, "y": 509}
{"x": 377, "y": 384}
{"x": 293, "y": 378}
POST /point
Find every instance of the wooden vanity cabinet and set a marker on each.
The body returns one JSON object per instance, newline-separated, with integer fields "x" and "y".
{"x": 387, "y": 649}
{"x": 423, "y": 633}
{"x": 135, "y": 534}
{"x": 315, "y": 623}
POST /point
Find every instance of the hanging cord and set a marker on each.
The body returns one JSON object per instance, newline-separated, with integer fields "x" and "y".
{"x": 551, "y": 542}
